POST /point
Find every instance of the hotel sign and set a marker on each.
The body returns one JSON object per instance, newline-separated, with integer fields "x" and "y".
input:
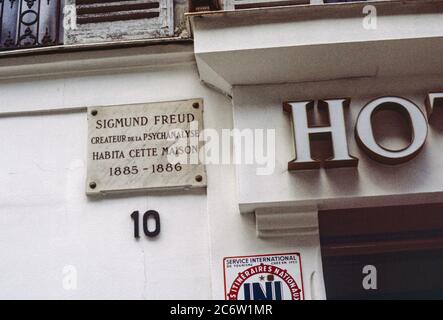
{"x": 335, "y": 131}
{"x": 152, "y": 146}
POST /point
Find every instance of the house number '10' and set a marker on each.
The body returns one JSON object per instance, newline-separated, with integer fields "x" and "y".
{"x": 148, "y": 214}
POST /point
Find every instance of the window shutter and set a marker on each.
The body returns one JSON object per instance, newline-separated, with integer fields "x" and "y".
{"x": 109, "y": 20}
{"x": 96, "y": 11}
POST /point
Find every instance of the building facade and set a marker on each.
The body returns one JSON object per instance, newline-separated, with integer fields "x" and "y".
{"x": 323, "y": 178}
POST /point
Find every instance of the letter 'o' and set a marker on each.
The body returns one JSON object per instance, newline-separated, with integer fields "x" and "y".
{"x": 365, "y": 135}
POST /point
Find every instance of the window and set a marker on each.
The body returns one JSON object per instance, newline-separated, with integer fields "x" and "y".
{"x": 115, "y": 20}
{"x": 29, "y": 23}
{"x": 398, "y": 247}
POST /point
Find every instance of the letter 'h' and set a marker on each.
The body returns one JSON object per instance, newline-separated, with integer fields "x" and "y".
{"x": 304, "y": 133}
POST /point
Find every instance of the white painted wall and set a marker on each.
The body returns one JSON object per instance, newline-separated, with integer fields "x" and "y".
{"x": 369, "y": 184}
{"x": 48, "y": 223}
{"x": 318, "y": 43}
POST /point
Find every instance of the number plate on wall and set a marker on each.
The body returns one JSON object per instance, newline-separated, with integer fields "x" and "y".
{"x": 139, "y": 147}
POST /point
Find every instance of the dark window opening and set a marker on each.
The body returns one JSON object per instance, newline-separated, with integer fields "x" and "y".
{"x": 403, "y": 243}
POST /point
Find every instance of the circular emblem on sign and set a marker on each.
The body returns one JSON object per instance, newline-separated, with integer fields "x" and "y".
{"x": 266, "y": 281}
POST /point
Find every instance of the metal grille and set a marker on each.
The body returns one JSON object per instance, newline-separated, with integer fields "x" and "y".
{"x": 94, "y": 11}
{"x": 28, "y": 23}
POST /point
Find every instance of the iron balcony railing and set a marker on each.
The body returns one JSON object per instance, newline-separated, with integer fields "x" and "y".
{"x": 29, "y": 23}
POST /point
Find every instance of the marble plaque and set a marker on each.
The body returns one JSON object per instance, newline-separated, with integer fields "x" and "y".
{"x": 150, "y": 146}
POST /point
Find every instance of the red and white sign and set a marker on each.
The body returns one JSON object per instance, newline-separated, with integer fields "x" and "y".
{"x": 263, "y": 277}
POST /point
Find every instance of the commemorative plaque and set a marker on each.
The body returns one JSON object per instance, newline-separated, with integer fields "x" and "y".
{"x": 140, "y": 147}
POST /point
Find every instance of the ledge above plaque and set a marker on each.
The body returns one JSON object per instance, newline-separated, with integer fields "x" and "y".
{"x": 142, "y": 147}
